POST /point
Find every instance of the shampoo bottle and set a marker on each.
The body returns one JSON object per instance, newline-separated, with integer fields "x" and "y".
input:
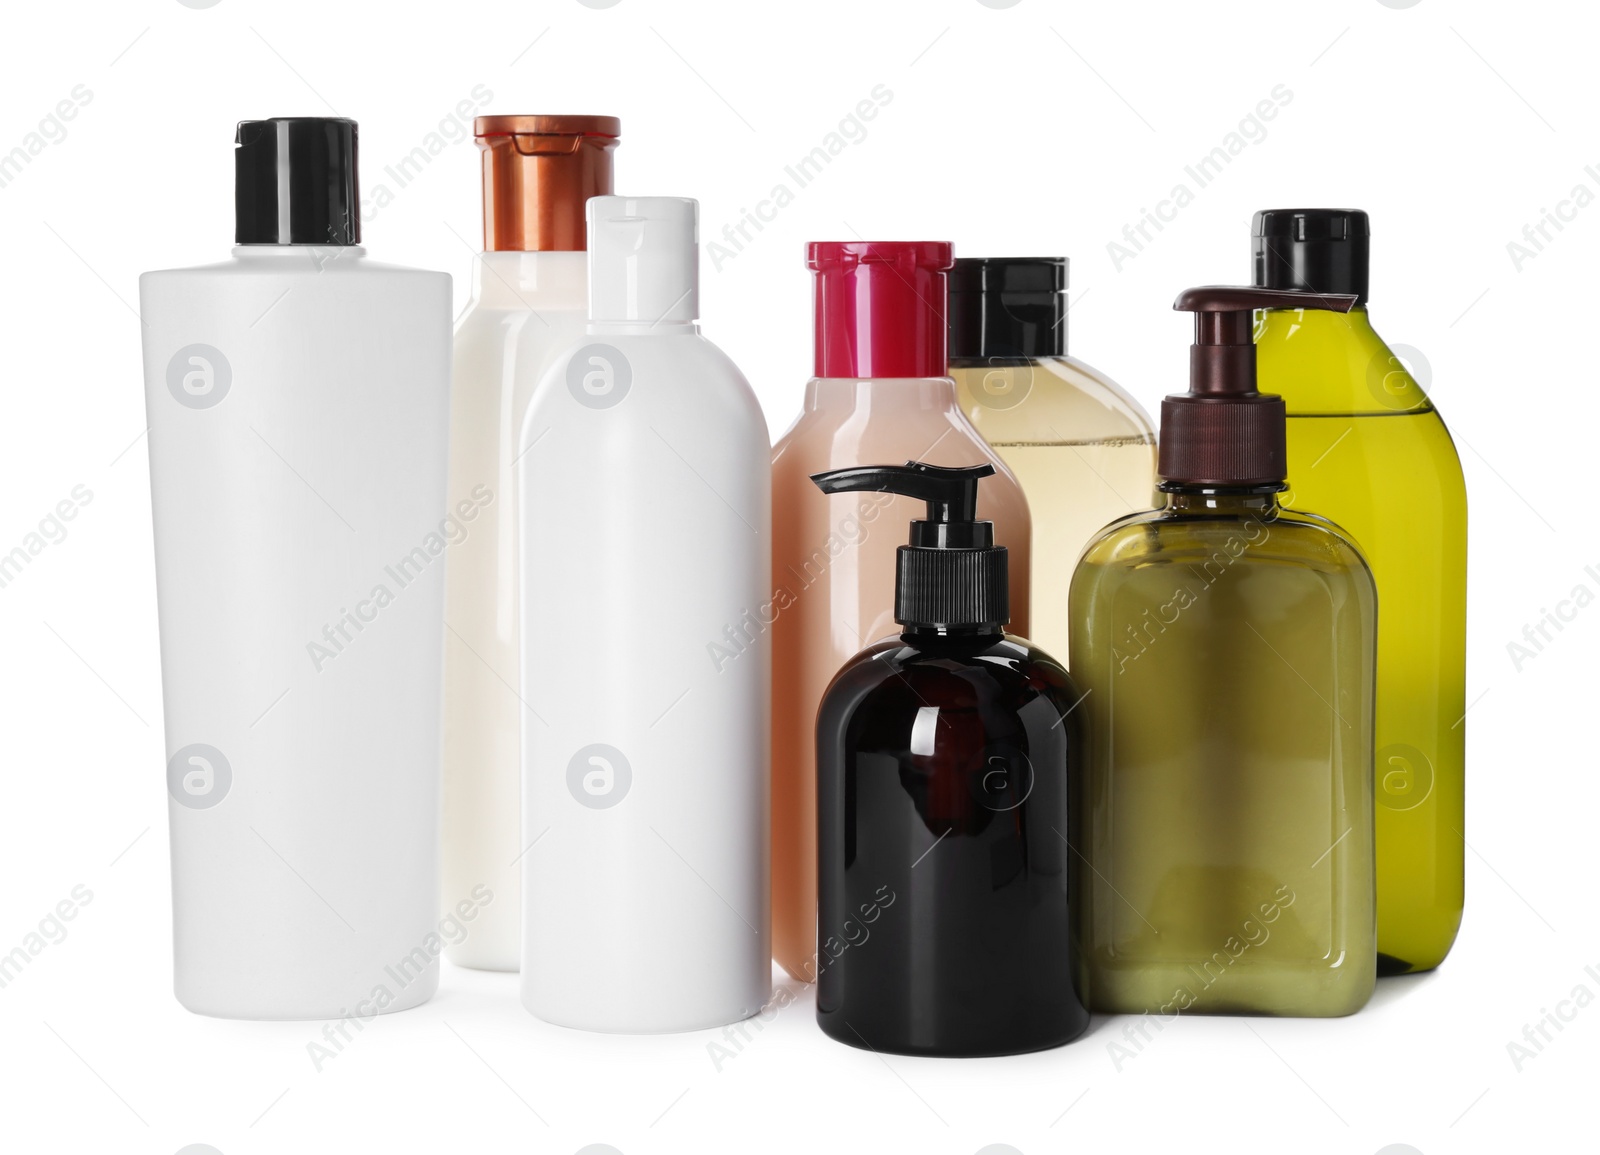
{"x": 1082, "y": 449}
{"x": 529, "y": 301}
{"x": 1368, "y": 449}
{"x": 1225, "y": 650}
{"x": 645, "y": 534}
{"x": 880, "y": 394}
{"x": 298, "y": 401}
{"x": 944, "y": 758}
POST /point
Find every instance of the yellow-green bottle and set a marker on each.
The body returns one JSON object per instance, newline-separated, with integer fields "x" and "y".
{"x": 1225, "y": 650}
{"x": 1368, "y": 450}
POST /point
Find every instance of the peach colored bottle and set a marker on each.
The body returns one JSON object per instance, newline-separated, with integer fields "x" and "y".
{"x": 880, "y": 395}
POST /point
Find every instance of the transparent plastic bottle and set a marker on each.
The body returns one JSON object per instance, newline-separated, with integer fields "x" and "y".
{"x": 1225, "y": 649}
{"x": 944, "y": 762}
{"x": 1082, "y": 449}
{"x": 1368, "y": 449}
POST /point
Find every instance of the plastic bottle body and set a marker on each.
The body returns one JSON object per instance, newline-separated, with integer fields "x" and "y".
{"x": 1368, "y": 450}
{"x": 298, "y": 401}
{"x": 646, "y": 605}
{"x": 1226, "y": 655}
{"x": 1083, "y": 451}
{"x": 526, "y": 308}
{"x": 833, "y": 574}
{"x": 944, "y": 917}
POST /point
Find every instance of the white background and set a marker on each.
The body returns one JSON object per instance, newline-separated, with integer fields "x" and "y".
{"x": 1040, "y": 128}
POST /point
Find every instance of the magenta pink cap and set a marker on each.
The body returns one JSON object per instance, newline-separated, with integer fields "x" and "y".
{"x": 880, "y": 307}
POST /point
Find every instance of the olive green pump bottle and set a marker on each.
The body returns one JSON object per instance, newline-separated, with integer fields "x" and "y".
{"x": 1225, "y": 649}
{"x": 1368, "y": 449}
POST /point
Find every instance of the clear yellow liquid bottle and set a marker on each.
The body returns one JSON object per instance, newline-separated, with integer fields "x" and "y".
{"x": 1367, "y": 449}
{"x": 1082, "y": 449}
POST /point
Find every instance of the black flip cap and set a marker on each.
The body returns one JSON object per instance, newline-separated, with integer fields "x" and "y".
{"x": 295, "y": 182}
{"x": 1313, "y": 250}
{"x": 1007, "y": 308}
{"x": 952, "y": 575}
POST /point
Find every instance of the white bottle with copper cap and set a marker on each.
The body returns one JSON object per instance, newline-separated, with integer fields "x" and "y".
{"x": 529, "y": 299}
{"x": 646, "y": 612}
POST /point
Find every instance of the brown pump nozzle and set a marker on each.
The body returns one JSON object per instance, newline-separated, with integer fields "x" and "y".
{"x": 538, "y": 174}
{"x": 1222, "y": 432}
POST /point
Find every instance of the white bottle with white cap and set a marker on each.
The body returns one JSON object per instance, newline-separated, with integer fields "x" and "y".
{"x": 645, "y": 619}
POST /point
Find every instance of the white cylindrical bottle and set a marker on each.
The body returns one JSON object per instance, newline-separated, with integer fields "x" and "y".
{"x": 529, "y": 301}
{"x": 646, "y": 612}
{"x": 297, "y": 397}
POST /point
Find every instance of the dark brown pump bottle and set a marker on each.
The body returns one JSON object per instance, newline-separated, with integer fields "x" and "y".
{"x": 944, "y": 757}
{"x": 1225, "y": 650}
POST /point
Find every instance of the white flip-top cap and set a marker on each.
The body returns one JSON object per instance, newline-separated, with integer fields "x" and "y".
{"x": 644, "y": 259}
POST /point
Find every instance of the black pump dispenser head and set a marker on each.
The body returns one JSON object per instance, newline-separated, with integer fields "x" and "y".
{"x": 952, "y": 575}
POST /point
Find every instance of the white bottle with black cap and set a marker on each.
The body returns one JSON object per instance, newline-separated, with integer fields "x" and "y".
{"x": 645, "y": 617}
{"x": 298, "y": 403}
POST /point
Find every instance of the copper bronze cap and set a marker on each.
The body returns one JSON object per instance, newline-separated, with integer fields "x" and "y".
{"x": 538, "y": 173}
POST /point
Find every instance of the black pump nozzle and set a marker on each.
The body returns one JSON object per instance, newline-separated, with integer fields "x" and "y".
{"x": 951, "y": 494}
{"x": 952, "y": 575}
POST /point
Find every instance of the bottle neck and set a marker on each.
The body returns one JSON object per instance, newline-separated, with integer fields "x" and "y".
{"x": 530, "y": 280}
{"x": 891, "y": 394}
{"x": 952, "y": 637}
{"x": 1259, "y": 502}
{"x": 318, "y": 256}
{"x": 1356, "y": 323}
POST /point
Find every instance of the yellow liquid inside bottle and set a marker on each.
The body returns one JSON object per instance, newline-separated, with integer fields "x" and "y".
{"x": 1083, "y": 452}
{"x": 1368, "y": 450}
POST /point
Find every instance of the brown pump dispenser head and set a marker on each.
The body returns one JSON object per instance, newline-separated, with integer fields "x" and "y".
{"x": 538, "y": 174}
{"x": 1222, "y": 432}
